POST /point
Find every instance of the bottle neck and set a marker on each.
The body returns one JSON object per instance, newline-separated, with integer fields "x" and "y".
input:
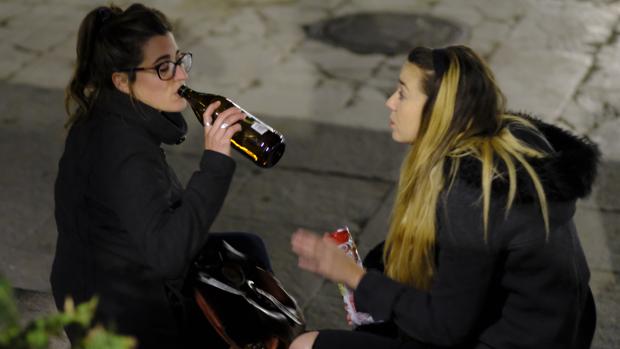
{"x": 184, "y": 91}
{"x": 191, "y": 95}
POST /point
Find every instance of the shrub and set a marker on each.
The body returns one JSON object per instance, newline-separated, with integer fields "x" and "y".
{"x": 36, "y": 333}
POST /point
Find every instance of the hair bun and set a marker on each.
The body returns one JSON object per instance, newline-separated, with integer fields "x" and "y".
{"x": 103, "y": 14}
{"x": 441, "y": 61}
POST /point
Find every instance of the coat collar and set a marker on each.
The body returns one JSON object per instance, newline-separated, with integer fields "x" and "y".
{"x": 169, "y": 128}
{"x": 568, "y": 173}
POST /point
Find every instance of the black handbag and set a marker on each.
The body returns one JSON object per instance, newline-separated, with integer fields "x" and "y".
{"x": 244, "y": 303}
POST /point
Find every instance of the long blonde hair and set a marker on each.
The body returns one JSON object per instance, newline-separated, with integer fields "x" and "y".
{"x": 463, "y": 116}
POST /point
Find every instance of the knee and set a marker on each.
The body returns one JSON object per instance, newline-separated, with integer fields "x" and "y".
{"x": 243, "y": 240}
{"x": 249, "y": 244}
{"x": 257, "y": 241}
{"x": 305, "y": 341}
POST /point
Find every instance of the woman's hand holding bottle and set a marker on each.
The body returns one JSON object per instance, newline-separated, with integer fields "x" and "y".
{"x": 219, "y": 132}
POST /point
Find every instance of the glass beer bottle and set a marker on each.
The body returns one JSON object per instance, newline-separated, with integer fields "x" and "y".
{"x": 257, "y": 141}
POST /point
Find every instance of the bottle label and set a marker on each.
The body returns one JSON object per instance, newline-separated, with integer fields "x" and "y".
{"x": 258, "y": 127}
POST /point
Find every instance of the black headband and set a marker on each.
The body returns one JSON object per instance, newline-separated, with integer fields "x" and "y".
{"x": 441, "y": 62}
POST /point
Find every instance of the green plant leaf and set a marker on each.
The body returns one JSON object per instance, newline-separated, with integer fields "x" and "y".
{"x": 37, "y": 338}
{"x": 9, "y": 316}
{"x": 36, "y": 334}
{"x": 99, "y": 338}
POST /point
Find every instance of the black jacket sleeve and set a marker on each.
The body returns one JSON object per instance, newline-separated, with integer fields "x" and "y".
{"x": 448, "y": 313}
{"x": 165, "y": 230}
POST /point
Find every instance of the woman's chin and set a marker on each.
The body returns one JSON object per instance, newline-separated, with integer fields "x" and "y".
{"x": 395, "y": 137}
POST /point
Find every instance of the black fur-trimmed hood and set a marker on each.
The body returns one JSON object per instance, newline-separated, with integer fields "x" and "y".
{"x": 568, "y": 173}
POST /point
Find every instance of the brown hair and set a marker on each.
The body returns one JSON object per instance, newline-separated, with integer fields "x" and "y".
{"x": 109, "y": 40}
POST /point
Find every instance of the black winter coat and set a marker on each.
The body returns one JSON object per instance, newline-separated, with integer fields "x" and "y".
{"x": 127, "y": 230}
{"x": 518, "y": 289}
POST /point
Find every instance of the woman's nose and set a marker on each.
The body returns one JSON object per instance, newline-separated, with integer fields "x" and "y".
{"x": 180, "y": 73}
{"x": 390, "y": 103}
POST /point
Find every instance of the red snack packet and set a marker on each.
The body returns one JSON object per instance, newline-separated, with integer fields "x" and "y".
{"x": 346, "y": 243}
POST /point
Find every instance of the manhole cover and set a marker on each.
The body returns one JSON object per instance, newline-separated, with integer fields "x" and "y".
{"x": 386, "y": 33}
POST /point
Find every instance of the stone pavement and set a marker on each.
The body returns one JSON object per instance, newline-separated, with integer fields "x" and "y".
{"x": 556, "y": 58}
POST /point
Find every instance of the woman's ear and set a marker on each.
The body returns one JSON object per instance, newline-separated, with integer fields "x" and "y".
{"x": 121, "y": 81}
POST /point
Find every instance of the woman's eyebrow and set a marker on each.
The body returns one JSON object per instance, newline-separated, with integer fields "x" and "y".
{"x": 403, "y": 84}
{"x": 176, "y": 54}
{"x": 161, "y": 58}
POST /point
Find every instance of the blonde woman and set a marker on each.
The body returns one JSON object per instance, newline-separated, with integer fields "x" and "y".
{"x": 482, "y": 251}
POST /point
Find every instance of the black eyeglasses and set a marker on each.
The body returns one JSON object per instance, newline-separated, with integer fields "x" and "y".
{"x": 166, "y": 70}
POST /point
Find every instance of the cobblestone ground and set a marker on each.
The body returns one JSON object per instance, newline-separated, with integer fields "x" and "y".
{"x": 556, "y": 58}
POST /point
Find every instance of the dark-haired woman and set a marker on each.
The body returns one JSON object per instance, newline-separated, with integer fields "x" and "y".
{"x": 127, "y": 229}
{"x": 482, "y": 250}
